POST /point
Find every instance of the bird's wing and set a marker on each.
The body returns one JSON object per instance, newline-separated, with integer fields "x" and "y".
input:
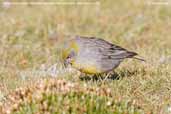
{"x": 112, "y": 51}
{"x": 109, "y": 50}
{"x": 117, "y": 52}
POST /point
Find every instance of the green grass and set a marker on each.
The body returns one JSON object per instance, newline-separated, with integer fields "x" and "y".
{"x": 77, "y": 103}
{"x": 26, "y": 44}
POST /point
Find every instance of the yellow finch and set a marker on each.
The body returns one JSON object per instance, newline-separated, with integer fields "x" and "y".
{"x": 93, "y": 56}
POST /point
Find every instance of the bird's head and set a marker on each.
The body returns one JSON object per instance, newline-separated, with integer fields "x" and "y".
{"x": 69, "y": 53}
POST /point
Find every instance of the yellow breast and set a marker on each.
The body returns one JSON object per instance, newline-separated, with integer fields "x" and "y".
{"x": 85, "y": 68}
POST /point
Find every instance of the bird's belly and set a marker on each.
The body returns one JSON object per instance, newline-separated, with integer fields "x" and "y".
{"x": 95, "y": 65}
{"x": 87, "y": 68}
{"x": 90, "y": 70}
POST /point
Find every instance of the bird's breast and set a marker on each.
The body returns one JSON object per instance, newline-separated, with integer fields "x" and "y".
{"x": 88, "y": 68}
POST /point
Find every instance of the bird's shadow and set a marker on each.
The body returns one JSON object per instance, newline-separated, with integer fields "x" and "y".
{"x": 114, "y": 76}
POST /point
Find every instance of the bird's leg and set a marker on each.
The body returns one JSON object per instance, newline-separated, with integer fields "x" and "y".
{"x": 96, "y": 77}
{"x": 82, "y": 76}
{"x": 107, "y": 75}
{"x": 100, "y": 77}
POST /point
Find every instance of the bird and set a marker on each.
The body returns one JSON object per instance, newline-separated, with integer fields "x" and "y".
{"x": 91, "y": 55}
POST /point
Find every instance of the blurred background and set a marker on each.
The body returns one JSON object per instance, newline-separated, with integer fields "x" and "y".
{"x": 30, "y": 32}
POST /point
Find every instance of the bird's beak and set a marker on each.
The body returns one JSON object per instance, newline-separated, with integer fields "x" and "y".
{"x": 66, "y": 63}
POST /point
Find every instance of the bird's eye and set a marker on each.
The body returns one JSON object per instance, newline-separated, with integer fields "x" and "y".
{"x": 71, "y": 55}
{"x": 68, "y": 57}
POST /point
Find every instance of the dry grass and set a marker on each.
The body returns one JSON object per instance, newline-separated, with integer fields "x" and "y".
{"x": 25, "y": 45}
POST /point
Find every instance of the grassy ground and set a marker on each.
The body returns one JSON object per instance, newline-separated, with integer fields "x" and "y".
{"x": 27, "y": 44}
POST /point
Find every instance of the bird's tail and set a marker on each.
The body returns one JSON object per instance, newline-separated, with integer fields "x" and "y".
{"x": 133, "y": 55}
{"x": 137, "y": 58}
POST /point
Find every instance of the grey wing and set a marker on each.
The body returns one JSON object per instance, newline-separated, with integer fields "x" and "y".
{"x": 109, "y": 50}
{"x": 116, "y": 52}
{"x": 111, "y": 55}
{"x": 106, "y": 55}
